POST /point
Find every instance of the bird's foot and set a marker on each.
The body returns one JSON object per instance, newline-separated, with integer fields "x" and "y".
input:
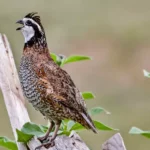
{"x": 47, "y": 145}
{"x": 43, "y": 138}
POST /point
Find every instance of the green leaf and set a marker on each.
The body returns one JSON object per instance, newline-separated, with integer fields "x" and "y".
{"x": 98, "y": 125}
{"x": 32, "y": 129}
{"x": 23, "y": 137}
{"x": 64, "y": 125}
{"x": 61, "y": 59}
{"x": 77, "y": 126}
{"x": 65, "y": 121}
{"x": 29, "y": 130}
{"x": 54, "y": 56}
{"x": 60, "y": 132}
{"x": 146, "y": 73}
{"x": 98, "y": 110}
{"x": 7, "y": 143}
{"x": 70, "y": 124}
{"x": 88, "y": 95}
{"x": 75, "y": 58}
{"x": 44, "y": 128}
{"x": 101, "y": 126}
{"x": 135, "y": 130}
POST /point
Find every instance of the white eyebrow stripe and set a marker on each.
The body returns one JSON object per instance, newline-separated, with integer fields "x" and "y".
{"x": 25, "y": 19}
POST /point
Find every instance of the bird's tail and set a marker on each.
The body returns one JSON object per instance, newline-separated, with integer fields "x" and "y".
{"x": 88, "y": 123}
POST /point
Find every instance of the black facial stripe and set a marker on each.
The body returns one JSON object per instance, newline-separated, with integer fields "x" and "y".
{"x": 38, "y": 33}
{"x": 39, "y": 39}
{"x": 36, "y": 29}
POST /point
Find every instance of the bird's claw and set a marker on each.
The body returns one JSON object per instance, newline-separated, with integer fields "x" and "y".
{"x": 37, "y": 148}
{"x": 41, "y": 139}
{"x": 47, "y": 145}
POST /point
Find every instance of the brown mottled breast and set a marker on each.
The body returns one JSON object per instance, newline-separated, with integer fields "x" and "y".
{"x": 29, "y": 77}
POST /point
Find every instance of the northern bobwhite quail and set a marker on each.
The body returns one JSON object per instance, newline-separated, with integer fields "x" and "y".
{"x": 47, "y": 86}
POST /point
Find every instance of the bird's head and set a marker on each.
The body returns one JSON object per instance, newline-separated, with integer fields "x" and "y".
{"x": 32, "y": 28}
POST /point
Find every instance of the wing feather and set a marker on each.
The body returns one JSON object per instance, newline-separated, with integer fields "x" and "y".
{"x": 63, "y": 86}
{"x": 61, "y": 90}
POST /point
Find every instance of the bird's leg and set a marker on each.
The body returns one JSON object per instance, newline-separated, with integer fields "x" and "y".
{"x": 51, "y": 142}
{"x": 47, "y": 133}
{"x": 55, "y": 131}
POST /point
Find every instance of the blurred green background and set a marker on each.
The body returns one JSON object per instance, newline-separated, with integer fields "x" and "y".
{"x": 116, "y": 34}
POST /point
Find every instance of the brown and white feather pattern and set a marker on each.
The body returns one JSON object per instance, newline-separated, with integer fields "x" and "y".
{"x": 48, "y": 87}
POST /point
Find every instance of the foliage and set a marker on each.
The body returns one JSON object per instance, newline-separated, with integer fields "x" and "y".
{"x": 61, "y": 59}
{"x": 135, "y": 130}
{"x": 29, "y": 130}
{"x": 88, "y": 95}
{"x": 7, "y": 143}
{"x": 146, "y": 73}
{"x": 98, "y": 110}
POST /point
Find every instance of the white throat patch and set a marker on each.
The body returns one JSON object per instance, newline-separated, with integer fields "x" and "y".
{"x": 28, "y": 32}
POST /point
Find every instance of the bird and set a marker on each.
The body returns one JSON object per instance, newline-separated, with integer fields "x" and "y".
{"x": 45, "y": 84}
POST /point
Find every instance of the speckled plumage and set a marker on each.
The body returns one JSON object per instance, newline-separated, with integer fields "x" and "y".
{"x": 48, "y": 87}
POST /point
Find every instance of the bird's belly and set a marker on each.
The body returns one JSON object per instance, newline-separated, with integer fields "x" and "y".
{"x": 29, "y": 83}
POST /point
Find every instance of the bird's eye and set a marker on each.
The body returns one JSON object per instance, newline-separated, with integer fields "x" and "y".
{"x": 28, "y": 23}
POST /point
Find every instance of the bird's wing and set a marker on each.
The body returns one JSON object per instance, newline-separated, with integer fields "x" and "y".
{"x": 64, "y": 87}
{"x": 59, "y": 86}
{"x": 61, "y": 90}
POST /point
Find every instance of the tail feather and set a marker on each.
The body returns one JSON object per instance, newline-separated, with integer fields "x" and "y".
{"x": 89, "y": 122}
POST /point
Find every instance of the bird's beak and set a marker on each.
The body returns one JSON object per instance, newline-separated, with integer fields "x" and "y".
{"x": 20, "y": 22}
